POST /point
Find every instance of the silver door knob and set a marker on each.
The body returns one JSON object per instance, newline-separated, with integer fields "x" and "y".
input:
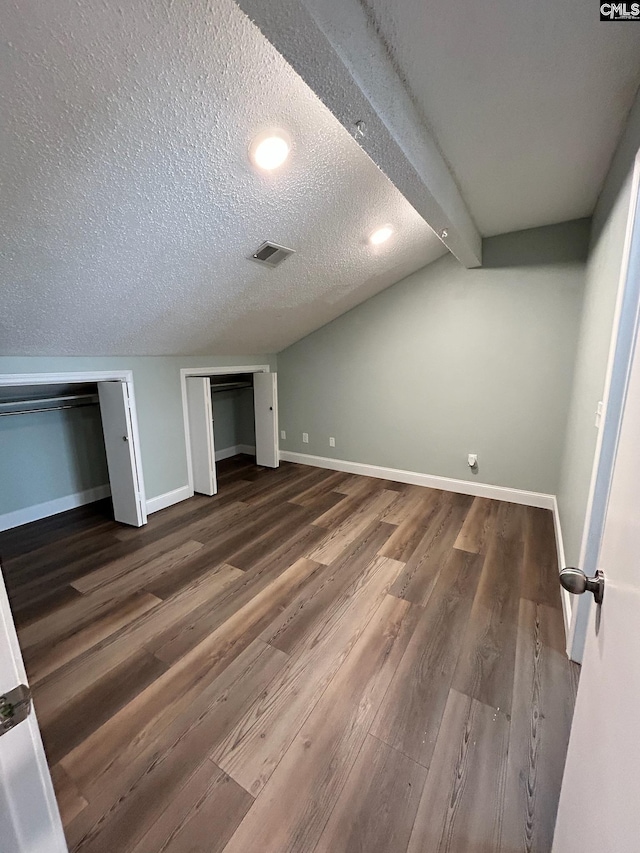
{"x": 575, "y": 581}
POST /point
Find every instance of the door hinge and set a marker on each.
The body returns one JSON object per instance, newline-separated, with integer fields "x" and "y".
{"x": 15, "y": 706}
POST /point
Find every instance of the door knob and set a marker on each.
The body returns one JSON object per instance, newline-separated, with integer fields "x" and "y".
{"x": 125, "y": 438}
{"x": 575, "y": 581}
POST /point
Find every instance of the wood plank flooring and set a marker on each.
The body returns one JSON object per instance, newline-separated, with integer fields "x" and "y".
{"x": 309, "y": 662}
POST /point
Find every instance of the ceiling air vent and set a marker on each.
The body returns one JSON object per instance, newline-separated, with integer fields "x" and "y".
{"x": 270, "y": 254}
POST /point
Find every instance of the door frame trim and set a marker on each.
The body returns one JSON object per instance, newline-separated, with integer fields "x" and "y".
{"x": 207, "y": 371}
{"x": 69, "y": 376}
{"x": 621, "y": 348}
{"x": 78, "y": 377}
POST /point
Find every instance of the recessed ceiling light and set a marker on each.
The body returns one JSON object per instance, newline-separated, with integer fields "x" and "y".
{"x": 381, "y": 235}
{"x": 269, "y": 150}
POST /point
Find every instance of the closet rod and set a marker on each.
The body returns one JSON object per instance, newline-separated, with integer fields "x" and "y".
{"x": 67, "y": 398}
{"x": 232, "y": 386}
{"x": 47, "y": 409}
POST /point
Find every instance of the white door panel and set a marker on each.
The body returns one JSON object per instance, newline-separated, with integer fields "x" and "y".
{"x": 29, "y": 817}
{"x": 127, "y": 492}
{"x": 599, "y": 810}
{"x": 203, "y": 455}
{"x": 265, "y": 400}
{"x": 599, "y": 804}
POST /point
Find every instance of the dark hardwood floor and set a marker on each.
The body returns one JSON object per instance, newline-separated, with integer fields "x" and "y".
{"x": 309, "y": 661}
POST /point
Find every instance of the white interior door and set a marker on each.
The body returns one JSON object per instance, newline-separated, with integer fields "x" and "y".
{"x": 599, "y": 802}
{"x": 120, "y": 440}
{"x": 265, "y": 403}
{"x": 29, "y": 817}
{"x": 203, "y": 454}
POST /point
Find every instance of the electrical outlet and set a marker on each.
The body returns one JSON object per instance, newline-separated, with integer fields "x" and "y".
{"x": 283, "y": 433}
{"x": 472, "y": 459}
{"x": 305, "y": 438}
{"x": 332, "y": 442}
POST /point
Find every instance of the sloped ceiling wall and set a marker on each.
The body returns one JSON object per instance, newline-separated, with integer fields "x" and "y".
{"x": 129, "y": 204}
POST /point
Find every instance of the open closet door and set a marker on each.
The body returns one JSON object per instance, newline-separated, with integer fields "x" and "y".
{"x": 120, "y": 444}
{"x": 203, "y": 457}
{"x": 29, "y": 817}
{"x": 265, "y": 401}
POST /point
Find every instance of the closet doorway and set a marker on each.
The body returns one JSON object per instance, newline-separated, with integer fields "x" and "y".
{"x": 69, "y": 439}
{"x": 228, "y": 411}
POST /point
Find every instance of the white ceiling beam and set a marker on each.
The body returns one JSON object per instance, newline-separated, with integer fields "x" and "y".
{"x": 334, "y": 46}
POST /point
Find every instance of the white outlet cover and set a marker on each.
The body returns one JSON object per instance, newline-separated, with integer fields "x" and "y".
{"x": 305, "y": 437}
{"x": 283, "y": 433}
{"x": 332, "y": 442}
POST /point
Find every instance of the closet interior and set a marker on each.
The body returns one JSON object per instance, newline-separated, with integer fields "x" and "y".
{"x": 60, "y": 447}
{"x": 51, "y": 447}
{"x": 233, "y": 415}
{"x": 229, "y": 415}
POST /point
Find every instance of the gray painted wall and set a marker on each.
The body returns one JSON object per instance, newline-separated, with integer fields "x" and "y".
{"x": 160, "y": 418}
{"x": 233, "y": 418}
{"x": 48, "y": 455}
{"x": 450, "y": 361}
{"x": 602, "y": 279}
{"x": 245, "y": 419}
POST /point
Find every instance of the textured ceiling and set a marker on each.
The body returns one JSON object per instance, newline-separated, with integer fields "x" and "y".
{"x": 526, "y": 99}
{"x": 128, "y": 202}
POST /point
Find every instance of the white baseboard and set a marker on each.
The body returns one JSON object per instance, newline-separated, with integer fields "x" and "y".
{"x": 234, "y": 450}
{"x": 44, "y": 510}
{"x": 168, "y": 499}
{"x": 431, "y": 481}
{"x": 184, "y": 492}
{"x": 566, "y": 596}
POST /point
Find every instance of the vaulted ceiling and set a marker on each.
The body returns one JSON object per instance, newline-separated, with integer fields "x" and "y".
{"x": 526, "y": 98}
{"x": 130, "y": 208}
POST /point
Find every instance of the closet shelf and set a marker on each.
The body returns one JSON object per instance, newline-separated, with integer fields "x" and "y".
{"x": 229, "y": 386}
{"x": 46, "y": 404}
